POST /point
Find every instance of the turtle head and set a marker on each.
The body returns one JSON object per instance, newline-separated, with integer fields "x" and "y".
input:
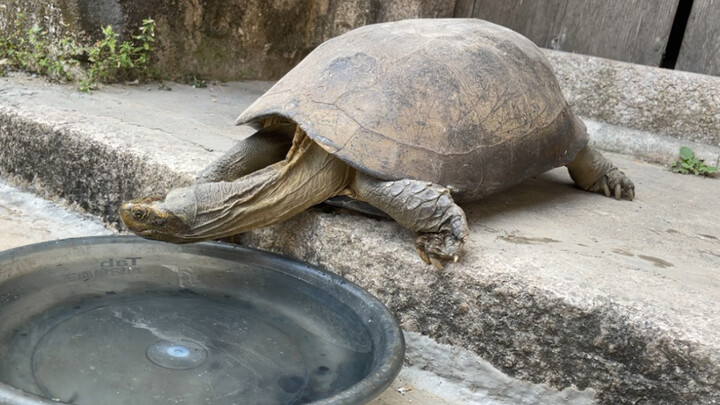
{"x": 166, "y": 218}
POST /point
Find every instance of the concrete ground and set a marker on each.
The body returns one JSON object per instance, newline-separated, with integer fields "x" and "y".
{"x": 557, "y": 287}
{"x": 26, "y": 219}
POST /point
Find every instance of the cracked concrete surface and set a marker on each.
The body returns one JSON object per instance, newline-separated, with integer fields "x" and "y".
{"x": 558, "y": 286}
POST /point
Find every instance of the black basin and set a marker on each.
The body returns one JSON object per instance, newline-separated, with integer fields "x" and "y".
{"x": 123, "y": 320}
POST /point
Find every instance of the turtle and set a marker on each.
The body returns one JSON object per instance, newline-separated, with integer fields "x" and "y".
{"x": 411, "y": 117}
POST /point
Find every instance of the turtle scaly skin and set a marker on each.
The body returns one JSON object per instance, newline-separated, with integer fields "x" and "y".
{"x": 308, "y": 176}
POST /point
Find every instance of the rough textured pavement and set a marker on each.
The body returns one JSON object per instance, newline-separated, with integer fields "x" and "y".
{"x": 558, "y": 286}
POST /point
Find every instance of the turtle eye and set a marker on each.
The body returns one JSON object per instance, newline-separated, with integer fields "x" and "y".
{"x": 139, "y": 214}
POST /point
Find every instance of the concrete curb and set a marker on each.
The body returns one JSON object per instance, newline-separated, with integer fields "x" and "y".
{"x": 492, "y": 305}
{"x": 570, "y": 304}
{"x": 672, "y": 103}
{"x": 76, "y": 162}
{"x": 645, "y": 145}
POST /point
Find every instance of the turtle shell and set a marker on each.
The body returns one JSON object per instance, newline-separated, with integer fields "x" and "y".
{"x": 463, "y": 103}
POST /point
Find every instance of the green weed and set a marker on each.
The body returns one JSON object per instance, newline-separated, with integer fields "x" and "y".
{"x": 32, "y": 51}
{"x": 691, "y": 164}
{"x": 109, "y": 60}
{"x": 112, "y": 61}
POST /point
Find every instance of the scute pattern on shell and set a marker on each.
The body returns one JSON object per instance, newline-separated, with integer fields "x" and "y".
{"x": 463, "y": 103}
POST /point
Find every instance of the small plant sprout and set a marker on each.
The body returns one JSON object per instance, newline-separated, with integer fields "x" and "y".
{"x": 691, "y": 164}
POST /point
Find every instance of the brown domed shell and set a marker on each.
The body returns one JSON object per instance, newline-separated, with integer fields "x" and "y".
{"x": 463, "y": 103}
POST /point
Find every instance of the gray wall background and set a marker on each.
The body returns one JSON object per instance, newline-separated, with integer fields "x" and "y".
{"x": 263, "y": 39}
{"x": 634, "y": 31}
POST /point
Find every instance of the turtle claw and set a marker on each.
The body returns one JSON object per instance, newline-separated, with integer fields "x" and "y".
{"x": 434, "y": 248}
{"x": 616, "y": 184}
{"x": 423, "y": 256}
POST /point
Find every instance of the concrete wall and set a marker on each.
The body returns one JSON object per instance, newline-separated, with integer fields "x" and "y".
{"x": 263, "y": 39}
{"x": 631, "y": 31}
{"x": 235, "y": 39}
{"x": 667, "y": 102}
{"x": 700, "y": 50}
{"x": 675, "y": 34}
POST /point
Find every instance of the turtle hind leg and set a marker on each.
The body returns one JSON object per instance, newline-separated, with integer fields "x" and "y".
{"x": 593, "y": 172}
{"x": 261, "y": 149}
{"x": 422, "y": 207}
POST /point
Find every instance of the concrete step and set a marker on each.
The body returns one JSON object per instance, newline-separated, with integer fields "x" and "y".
{"x": 557, "y": 286}
{"x": 667, "y": 102}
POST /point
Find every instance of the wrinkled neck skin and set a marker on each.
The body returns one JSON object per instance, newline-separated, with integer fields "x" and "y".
{"x": 308, "y": 176}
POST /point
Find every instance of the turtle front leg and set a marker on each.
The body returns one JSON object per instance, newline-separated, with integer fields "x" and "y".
{"x": 593, "y": 172}
{"x": 261, "y": 149}
{"x": 422, "y": 207}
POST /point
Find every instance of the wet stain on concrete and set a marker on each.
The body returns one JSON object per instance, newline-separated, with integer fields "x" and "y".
{"x": 522, "y": 240}
{"x": 701, "y": 236}
{"x": 656, "y": 261}
{"x": 623, "y": 252}
{"x": 716, "y": 254}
